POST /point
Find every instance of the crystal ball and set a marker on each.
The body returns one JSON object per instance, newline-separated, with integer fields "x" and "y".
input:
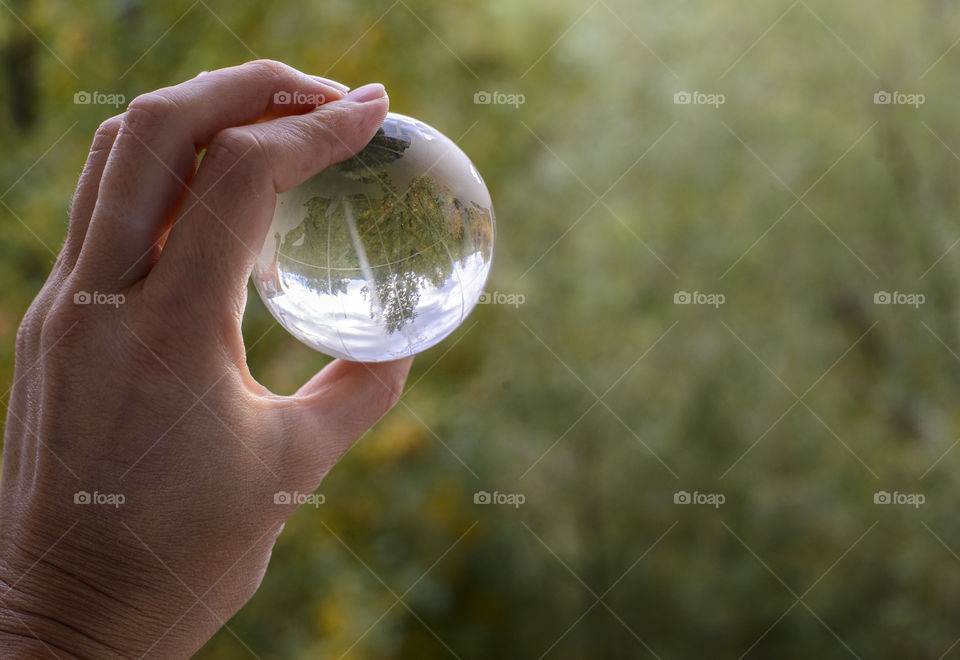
{"x": 383, "y": 255}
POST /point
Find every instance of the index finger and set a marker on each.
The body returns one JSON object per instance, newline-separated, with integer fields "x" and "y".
{"x": 154, "y": 157}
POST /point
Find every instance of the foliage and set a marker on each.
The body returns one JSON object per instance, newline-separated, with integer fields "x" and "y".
{"x": 390, "y": 225}
{"x": 599, "y": 398}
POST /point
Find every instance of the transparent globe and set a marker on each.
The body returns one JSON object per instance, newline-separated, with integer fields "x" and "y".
{"x": 383, "y": 255}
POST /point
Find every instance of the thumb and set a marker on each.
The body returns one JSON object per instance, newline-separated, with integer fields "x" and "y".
{"x": 336, "y": 407}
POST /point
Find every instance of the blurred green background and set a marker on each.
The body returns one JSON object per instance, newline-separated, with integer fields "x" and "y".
{"x": 600, "y": 399}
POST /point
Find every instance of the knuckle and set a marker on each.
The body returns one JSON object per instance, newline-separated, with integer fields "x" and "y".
{"x": 268, "y": 69}
{"x": 106, "y": 133}
{"x": 28, "y": 333}
{"x": 59, "y": 321}
{"x": 150, "y": 112}
{"x": 236, "y": 150}
{"x": 69, "y": 318}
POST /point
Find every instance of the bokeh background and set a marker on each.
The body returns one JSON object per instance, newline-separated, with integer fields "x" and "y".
{"x": 799, "y": 401}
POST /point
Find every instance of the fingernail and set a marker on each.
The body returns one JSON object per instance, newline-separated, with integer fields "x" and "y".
{"x": 370, "y": 92}
{"x": 333, "y": 83}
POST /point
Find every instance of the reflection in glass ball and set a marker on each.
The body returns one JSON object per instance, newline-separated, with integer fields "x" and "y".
{"x": 382, "y": 255}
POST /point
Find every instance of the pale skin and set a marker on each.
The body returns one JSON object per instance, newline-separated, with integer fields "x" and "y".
{"x": 105, "y": 399}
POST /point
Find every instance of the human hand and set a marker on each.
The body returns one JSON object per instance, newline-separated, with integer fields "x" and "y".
{"x": 151, "y": 400}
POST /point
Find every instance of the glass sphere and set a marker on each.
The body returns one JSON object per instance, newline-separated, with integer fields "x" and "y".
{"x": 383, "y": 255}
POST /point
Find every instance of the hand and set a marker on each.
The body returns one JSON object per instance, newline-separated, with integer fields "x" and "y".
{"x": 147, "y": 400}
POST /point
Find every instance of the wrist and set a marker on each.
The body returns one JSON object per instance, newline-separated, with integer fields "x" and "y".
{"x": 39, "y": 623}
{"x": 50, "y": 605}
{"x": 15, "y": 645}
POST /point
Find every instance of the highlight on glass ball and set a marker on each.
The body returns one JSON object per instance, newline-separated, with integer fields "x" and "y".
{"x": 383, "y": 255}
